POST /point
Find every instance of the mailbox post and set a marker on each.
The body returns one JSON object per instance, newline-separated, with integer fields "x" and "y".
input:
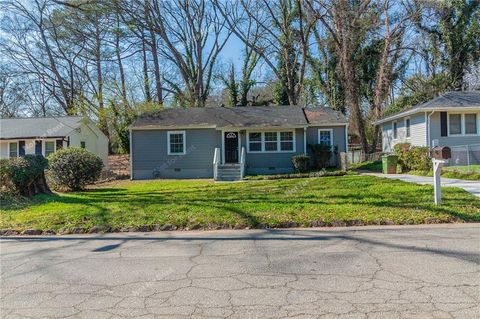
{"x": 440, "y": 156}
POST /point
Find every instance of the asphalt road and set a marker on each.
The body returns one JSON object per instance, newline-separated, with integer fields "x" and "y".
{"x": 388, "y": 272}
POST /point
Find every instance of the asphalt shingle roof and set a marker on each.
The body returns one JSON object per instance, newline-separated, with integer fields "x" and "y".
{"x": 38, "y": 127}
{"x": 453, "y": 99}
{"x": 250, "y": 116}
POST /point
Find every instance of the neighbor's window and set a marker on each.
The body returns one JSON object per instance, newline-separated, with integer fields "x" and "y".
{"x": 176, "y": 142}
{"x": 325, "y": 137}
{"x": 13, "y": 149}
{"x": 471, "y": 123}
{"x": 395, "y": 130}
{"x": 455, "y": 124}
{"x": 286, "y": 141}
{"x": 255, "y": 142}
{"x": 82, "y": 144}
{"x": 49, "y": 148}
{"x": 271, "y": 139}
{"x": 407, "y": 127}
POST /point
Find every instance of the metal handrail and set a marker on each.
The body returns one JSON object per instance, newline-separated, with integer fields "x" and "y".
{"x": 242, "y": 163}
{"x": 216, "y": 162}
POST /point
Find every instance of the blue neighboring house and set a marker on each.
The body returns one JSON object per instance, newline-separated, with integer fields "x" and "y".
{"x": 227, "y": 143}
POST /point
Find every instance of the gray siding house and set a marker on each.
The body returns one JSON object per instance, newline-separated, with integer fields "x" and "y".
{"x": 226, "y": 143}
{"x": 452, "y": 119}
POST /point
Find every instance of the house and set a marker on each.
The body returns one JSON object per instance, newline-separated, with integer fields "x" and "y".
{"x": 227, "y": 143}
{"x": 452, "y": 119}
{"x": 46, "y": 135}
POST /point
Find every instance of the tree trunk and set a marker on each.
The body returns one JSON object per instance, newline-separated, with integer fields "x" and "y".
{"x": 120, "y": 63}
{"x": 156, "y": 65}
{"x": 146, "y": 80}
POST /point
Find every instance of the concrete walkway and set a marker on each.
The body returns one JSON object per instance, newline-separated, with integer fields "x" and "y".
{"x": 472, "y": 187}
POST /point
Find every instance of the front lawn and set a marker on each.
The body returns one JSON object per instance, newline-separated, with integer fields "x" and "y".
{"x": 279, "y": 203}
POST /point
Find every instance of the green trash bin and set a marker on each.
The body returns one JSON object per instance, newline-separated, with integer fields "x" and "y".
{"x": 389, "y": 164}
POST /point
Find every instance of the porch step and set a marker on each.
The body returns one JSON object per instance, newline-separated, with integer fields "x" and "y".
{"x": 229, "y": 172}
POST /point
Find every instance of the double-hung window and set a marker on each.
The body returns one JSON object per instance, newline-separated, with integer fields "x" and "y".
{"x": 454, "y": 124}
{"x": 271, "y": 141}
{"x": 13, "y": 149}
{"x": 286, "y": 141}
{"x": 471, "y": 123}
{"x": 407, "y": 127}
{"x": 49, "y": 147}
{"x": 176, "y": 142}
{"x": 255, "y": 142}
{"x": 280, "y": 141}
{"x": 325, "y": 137}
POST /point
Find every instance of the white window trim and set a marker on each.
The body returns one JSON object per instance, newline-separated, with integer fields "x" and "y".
{"x": 184, "y": 142}
{"x": 393, "y": 130}
{"x": 462, "y": 128}
{"x": 410, "y": 127}
{"x": 16, "y": 142}
{"x": 465, "y": 124}
{"x": 262, "y": 141}
{"x": 326, "y": 130}
{"x": 462, "y": 124}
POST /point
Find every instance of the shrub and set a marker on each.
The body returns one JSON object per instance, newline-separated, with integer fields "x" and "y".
{"x": 301, "y": 163}
{"x": 321, "y": 154}
{"x": 413, "y": 158}
{"x": 74, "y": 167}
{"x": 24, "y": 175}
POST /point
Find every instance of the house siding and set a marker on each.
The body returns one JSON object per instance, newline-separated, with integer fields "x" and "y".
{"x": 459, "y": 140}
{"x": 339, "y": 139}
{"x": 417, "y": 132}
{"x": 272, "y": 163}
{"x": 149, "y": 154}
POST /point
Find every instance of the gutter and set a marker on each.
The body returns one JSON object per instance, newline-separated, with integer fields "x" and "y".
{"x": 427, "y": 109}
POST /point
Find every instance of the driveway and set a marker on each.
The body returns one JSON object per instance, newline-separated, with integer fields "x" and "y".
{"x": 472, "y": 187}
{"x": 365, "y": 272}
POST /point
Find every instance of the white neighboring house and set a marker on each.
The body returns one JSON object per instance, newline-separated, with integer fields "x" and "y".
{"x": 452, "y": 119}
{"x": 46, "y": 135}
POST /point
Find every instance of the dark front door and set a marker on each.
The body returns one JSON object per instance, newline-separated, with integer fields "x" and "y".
{"x": 231, "y": 147}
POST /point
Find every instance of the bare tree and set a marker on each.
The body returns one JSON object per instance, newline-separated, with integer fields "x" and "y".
{"x": 282, "y": 33}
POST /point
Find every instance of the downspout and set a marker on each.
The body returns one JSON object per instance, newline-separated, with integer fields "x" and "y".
{"x": 131, "y": 155}
{"x": 305, "y": 140}
{"x": 428, "y": 127}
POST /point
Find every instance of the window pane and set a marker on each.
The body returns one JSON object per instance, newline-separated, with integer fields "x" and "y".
{"x": 255, "y": 136}
{"x": 286, "y": 146}
{"x": 176, "y": 143}
{"x": 49, "y": 148}
{"x": 286, "y": 136}
{"x": 455, "y": 124}
{"x": 394, "y": 129}
{"x": 13, "y": 149}
{"x": 470, "y": 123}
{"x": 271, "y": 136}
{"x": 255, "y": 146}
{"x": 407, "y": 125}
{"x": 270, "y": 146}
{"x": 82, "y": 144}
{"x": 325, "y": 137}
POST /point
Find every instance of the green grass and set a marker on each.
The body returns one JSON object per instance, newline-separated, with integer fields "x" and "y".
{"x": 368, "y": 199}
{"x": 461, "y": 172}
{"x": 368, "y": 166}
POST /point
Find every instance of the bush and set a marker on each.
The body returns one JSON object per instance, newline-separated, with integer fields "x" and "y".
{"x": 321, "y": 154}
{"x": 413, "y": 158}
{"x": 74, "y": 167}
{"x": 24, "y": 175}
{"x": 301, "y": 163}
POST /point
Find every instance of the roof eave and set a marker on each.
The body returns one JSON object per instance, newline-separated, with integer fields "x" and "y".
{"x": 425, "y": 109}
